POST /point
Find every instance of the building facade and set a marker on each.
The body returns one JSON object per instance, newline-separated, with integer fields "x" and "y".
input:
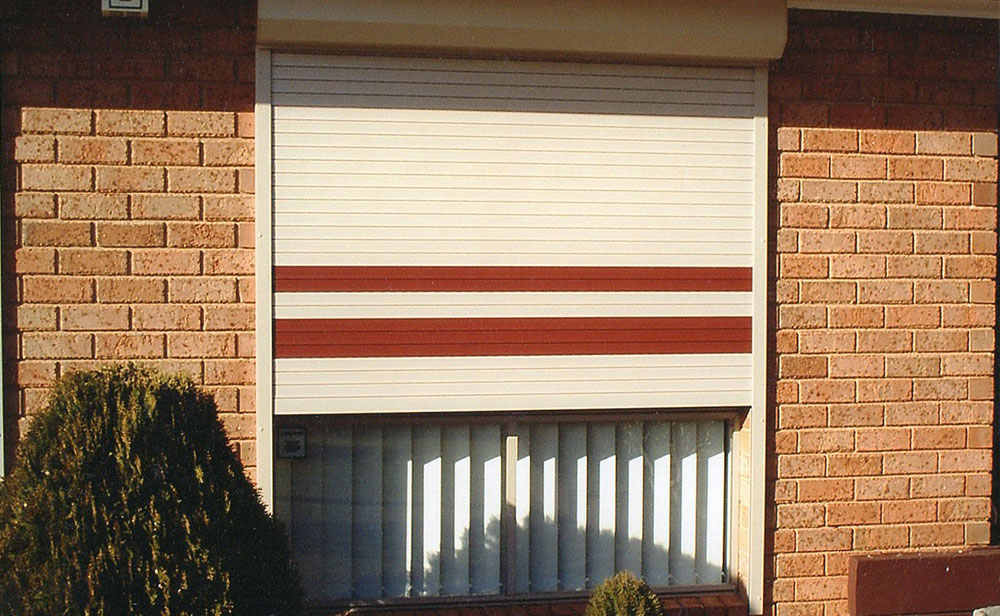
{"x": 767, "y": 248}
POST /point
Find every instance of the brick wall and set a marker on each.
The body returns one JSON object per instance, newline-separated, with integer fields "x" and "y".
{"x": 127, "y": 197}
{"x": 884, "y": 163}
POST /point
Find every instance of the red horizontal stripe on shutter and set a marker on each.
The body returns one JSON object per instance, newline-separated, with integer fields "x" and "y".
{"x": 303, "y": 338}
{"x": 457, "y": 279}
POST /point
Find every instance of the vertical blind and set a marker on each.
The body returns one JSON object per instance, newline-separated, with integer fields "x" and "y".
{"x": 417, "y": 510}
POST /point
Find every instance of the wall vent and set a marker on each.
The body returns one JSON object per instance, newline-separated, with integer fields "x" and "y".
{"x": 125, "y": 8}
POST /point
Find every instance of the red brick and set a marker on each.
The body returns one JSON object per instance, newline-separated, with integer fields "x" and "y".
{"x": 914, "y": 168}
{"x": 856, "y": 216}
{"x": 130, "y": 179}
{"x": 121, "y": 289}
{"x": 858, "y": 167}
{"x": 914, "y": 218}
{"x": 56, "y": 177}
{"x": 35, "y": 149}
{"x": 935, "y": 437}
{"x": 984, "y": 194}
{"x": 885, "y": 192}
{"x": 828, "y": 292}
{"x": 949, "y": 143}
{"x": 942, "y": 193}
{"x": 827, "y": 391}
{"x": 90, "y": 206}
{"x": 856, "y": 316}
{"x": 130, "y": 123}
{"x": 94, "y": 317}
{"x": 93, "y": 261}
{"x": 857, "y": 266}
{"x": 209, "y": 290}
{"x": 970, "y": 267}
{"x": 842, "y": 415}
{"x": 884, "y": 390}
{"x": 229, "y": 372}
{"x": 964, "y": 509}
{"x": 829, "y": 140}
{"x": 829, "y": 191}
{"x": 943, "y": 340}
{"x": 55, "y": 345}
{"x": 201, "y": 180}
{"x": 200, "y": 344}
{"x": 882, "y": 242}
{"x": 201, "y": 123}
{"x": 201, "y": 235}
{"x": 822, "y": 539}
{"x": 57, "y": 289}
{"x": 984, "y": 144}
{"x": 909, "y": 463}
{"x": 941, "y": 291}
{"x": 797, "y": 366}
{"x": 166, "y": 207}
{"x": 937, "y": 535}
{"x": 812, "y": 216}
{"x": 881, "y": 538}
{"x": 228, "y": 208}
{"x": 35, "y": 205}
{"x": 129, "y": 346}
{"x": 166, "y": 317}
{"x": 36, "y": 318}
{"x": 937, "y": 486}
{"x": 912, "y": 316}
{"x": 805, "y": 165}
{"x": 35, "y": 261}
{"x": 801, "y": 266}
{"x": 170, "y": 261}
{"x": 882, "y": 488}
{"x": 970, "y": 170}
{"x": 970, "y": 218}
{"x": 229, "y": 152}
{"x": 52, "y": 233}
{"x": 793, "y": 416}
{"x": 237, "y": 317}
{"x": 62, "y": 121}
{"x": 92, "y": 150}
{"x": 887, "y": 141}
{"x": 165, "y": 152}
{"x": 131, "y": 234}
{"x": 964, "y": 461}
{"x": 841, "y": 514}
{"x": 35, "y": 373}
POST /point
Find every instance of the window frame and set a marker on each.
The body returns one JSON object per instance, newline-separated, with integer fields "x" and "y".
{"x": 733, "y": 419}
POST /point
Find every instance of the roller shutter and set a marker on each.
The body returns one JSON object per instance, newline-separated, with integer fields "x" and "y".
{"x": 461, "y": 235}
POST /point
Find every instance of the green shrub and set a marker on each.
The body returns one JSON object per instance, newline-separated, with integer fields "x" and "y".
{"x": 126, "y": 500}
{"x": 623, "y": 594}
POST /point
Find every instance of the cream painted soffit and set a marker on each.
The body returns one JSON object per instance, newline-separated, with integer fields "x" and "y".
{"x": 986, "y": 9}
{"x": 740, "y": 31}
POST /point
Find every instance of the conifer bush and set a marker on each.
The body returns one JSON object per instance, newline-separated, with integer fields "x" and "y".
{"x": 623, "y": 594}
{"x": 126, "y": 499}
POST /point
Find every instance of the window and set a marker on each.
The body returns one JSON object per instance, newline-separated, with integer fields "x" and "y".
{"x": 407, "y": 508}
{"x": 486, "y": 239}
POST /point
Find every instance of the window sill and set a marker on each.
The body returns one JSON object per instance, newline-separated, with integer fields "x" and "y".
{"x": 702, "y": 602}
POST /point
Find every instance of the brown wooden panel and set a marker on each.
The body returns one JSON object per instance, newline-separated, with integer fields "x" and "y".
{"x": 300, "y": 338}
{"x": 924, "y": 584}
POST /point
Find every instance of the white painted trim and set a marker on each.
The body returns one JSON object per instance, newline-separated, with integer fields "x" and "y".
{"x": 505, "y": 304}
{"x": 758, "y": 412}
{"x": 984, "y": 9}
{"x": 264, "y": 301}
